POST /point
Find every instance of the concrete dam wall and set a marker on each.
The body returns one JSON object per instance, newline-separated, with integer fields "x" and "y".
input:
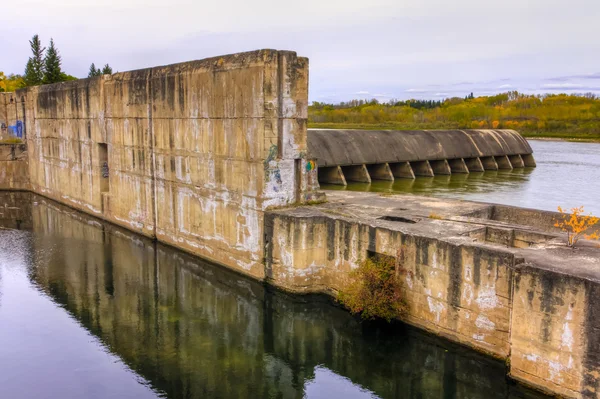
{"x": 191, "y": 154}
{"x": 365, "y": 155}
{"x": 214, "y": 157}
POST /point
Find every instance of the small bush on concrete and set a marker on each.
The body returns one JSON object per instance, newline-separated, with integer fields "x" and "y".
{"x": 375, "y": 292}
{"x": 577, "y": 225}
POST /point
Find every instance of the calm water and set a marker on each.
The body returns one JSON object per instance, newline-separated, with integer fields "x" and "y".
{"x": 88, "y": 310}
{"x": 567, "y": 174}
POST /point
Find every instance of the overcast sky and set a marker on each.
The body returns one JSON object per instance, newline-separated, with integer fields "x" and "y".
{"x": 357, "y": 49}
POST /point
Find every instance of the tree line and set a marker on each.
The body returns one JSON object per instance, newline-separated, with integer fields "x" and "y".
{"x": 549, "y": 115}
{"x": 43, "y": 67}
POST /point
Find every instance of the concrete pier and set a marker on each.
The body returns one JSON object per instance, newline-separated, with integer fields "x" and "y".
{"x": 489, "y": 163}
{"x": 357, "y": 173}
{"x": 474, "y": 164}
{"x": 332, "y": 175}
{"x": 440, "y": 167}
{"x": 402, "y": 170}
{"x": 458, "y": 166}
{"x": 422, "y": 168}
{"x": 380, "y": 171}
{"x": 503, "y": 162}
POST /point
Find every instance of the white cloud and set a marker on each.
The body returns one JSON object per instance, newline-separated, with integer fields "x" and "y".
{"x": 416, "y": 91}
{"x": 506, "y": 86}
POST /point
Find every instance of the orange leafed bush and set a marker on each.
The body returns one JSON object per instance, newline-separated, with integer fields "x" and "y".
{"x": 577, "y": 225}
{"x": 375, "y": 291}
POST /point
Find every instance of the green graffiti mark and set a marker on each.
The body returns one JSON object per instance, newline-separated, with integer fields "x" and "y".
{"x": 270, "y": 157}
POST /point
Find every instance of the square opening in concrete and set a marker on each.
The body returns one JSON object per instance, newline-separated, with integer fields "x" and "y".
{"x": 400, "y": 219}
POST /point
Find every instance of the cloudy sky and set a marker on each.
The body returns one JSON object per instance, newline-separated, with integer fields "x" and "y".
{"x": 358, "y": 49}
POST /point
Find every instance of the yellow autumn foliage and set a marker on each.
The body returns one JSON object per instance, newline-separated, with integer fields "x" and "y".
{"x": 577, "y": 225}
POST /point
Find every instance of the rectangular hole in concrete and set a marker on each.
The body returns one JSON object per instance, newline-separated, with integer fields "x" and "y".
{"x": 397, "y": 219}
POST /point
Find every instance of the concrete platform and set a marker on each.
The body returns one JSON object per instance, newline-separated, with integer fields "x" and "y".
{"x": 499, "y": 279}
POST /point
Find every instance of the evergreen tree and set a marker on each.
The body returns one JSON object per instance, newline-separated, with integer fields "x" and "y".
{"x": 34, "y": 70}
{"x": 52, "y": 63}
{"x": 107, "y": 70}
{"x": 94, "y": 71}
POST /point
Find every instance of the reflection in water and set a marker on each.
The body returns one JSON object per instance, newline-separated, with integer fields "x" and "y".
{"x": 91, "y": 310}
{"x": 567, "y": 174}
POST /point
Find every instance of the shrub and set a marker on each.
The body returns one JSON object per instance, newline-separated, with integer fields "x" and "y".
{"x": 375, "y": 291}
{"x": 577, "y": 225}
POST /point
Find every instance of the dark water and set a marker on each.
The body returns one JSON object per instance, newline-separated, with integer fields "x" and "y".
{"x": 567, "y": 175}
{"x": 88, "y": 310}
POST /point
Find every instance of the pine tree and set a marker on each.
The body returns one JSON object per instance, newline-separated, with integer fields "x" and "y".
{"x": 34, "y": 70}
{"x": 93, "y": 71}
{"x": 30, "y": 76}
{"x": 52, "y": 63}
{"x": 107, "y": 70}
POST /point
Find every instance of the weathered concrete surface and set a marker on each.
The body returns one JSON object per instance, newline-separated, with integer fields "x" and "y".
{"x": 14, "y": 168}
{"x": 198, "y": 155}
{"x": 191, "y": 153}
{"x": 425, "y": 152}
{"x": 352, "y": 147}
{"x": 507, "y": 289}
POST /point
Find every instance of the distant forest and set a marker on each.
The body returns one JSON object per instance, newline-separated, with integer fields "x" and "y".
{"x": 550, "y": 115}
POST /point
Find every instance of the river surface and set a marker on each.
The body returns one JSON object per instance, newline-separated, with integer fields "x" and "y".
{"x": 89, "y": 310}
{"x": 567, "y": 175}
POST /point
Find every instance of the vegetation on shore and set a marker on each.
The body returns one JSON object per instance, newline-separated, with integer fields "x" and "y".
{"x": 558, "y": 116}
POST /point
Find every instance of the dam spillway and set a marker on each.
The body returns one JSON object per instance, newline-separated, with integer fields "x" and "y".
{"x": 365, "y": 155}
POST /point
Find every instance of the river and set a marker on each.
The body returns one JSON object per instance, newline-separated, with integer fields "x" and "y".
{"x": 567, "y": 175}
{"x": 89, "y": 310}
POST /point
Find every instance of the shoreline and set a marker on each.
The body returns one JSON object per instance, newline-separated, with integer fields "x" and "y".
{"x": 571, "y": 140}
